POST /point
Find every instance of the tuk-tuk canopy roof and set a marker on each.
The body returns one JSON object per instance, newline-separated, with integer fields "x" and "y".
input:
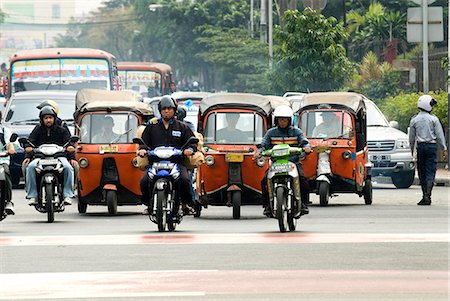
{"x": 185, "y": 95}
{"x": 89, "y": 100}
{"x": 251, "y": 101}
{"x": 354, "y": 101}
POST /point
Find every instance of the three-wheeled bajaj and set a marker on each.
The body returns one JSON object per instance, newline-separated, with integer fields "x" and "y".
{"x": 335, "y": 124}
{"x": 107, "y": 122}
{"x": 233, "y": 124}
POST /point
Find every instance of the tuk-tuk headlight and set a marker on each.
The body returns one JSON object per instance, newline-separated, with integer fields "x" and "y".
{"x": 261, "y": 161}
{"x": 347, "y": 154}
{"x": 209, "y": 160}
{"x": 83, "y": 162}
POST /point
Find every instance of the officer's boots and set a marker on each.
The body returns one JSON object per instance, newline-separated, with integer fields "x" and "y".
{"x": 426, "y": 189}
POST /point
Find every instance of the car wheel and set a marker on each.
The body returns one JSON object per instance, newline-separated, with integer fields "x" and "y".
{"x": 403, "y": 179}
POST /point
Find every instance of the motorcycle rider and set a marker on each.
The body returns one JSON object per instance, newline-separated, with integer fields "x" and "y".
{"x": 44, "y": 133}
{"x": 426, "y": 131}
{"x": 284, "y": 132}
{"x": 168, "y": 131}
{"x": 6, "y": 145}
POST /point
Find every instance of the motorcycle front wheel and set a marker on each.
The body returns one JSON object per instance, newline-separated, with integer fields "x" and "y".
{"x": 161, "y": 214}
{"x": 281, "y": 209}
{"x": 49, "y": 197}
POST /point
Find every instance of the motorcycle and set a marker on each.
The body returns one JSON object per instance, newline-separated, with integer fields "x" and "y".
{"x": 49, "y": 176}
{"x": 166, "y": 209}
{"x": 283, "y": 184}
{"x": 4, "y": 154}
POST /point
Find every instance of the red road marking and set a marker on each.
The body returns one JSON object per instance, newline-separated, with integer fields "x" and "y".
{"x": 365, "y": 283}
{"x": 235, "y": 238}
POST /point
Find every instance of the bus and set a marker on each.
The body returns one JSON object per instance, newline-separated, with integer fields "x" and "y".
{"x": 150, "y": 79}
{"x": 60, "y": 69}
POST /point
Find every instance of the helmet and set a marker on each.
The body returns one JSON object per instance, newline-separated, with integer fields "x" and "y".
{"x": 181, "y": 113}
{"x": 426, "y": 103}
{"x": 283, "y": 111}
{"x": 47, "y": 110}
{"x": 51, "y": 103}
{"x": 167, "y": 102}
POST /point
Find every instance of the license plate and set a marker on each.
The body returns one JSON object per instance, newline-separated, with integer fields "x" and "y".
{"x": 159, "y": 165}
{"x": 380, "y": 158}
{"x": 109, "y": 149}
{"x": 281, "y": 167}
{"x": 49, "y": 161}
{"x": 234, "y": 157}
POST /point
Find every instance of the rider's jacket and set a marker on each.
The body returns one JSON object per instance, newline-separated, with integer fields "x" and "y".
{"x": 175, "y": 135}
{"x": 57, "y": 135}
{"x": 291, "y": 135}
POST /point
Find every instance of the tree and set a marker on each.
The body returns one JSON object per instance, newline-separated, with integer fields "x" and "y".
{"x": 309, "y": 54}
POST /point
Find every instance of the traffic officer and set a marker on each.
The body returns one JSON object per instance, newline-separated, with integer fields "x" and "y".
{"x": 426, "y": 131}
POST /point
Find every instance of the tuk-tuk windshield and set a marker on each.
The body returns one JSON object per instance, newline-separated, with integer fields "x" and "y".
{"x": 109, "y": 128}
{"x": 234, "y": 128}
{"x": 327, "y": 124}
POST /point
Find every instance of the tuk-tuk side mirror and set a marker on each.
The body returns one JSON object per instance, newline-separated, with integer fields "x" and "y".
{"x": 74, "y": 139}
{"x": 138, "y": 141}
{"x": 13, "y": 137}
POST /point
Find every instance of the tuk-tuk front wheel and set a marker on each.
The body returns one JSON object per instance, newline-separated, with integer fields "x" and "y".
{"x": 367, "y": 192}
{"x": 82, "y": 207}
{"x": 111, "y": 201}
{"x": 236, "y": 199}
{"x": 324, "y": 193}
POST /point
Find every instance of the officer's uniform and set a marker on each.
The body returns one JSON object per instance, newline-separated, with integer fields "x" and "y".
{"x": 425, "y": 134}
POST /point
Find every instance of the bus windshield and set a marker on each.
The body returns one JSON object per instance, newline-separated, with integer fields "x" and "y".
{"x": 60, "y": 74}
{"x": 147, "y": 83}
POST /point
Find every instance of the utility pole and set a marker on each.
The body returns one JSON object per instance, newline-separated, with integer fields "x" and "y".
{"x": 251, "y": 17}
{"x": 425, "y": 46}
{"x": 263, "y": 26}
{"x": 448, "y": 86}
{"x": 270, "y": 33}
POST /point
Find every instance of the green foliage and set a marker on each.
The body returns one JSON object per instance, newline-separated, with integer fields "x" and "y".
{"x": 309, "y": 54}
{"x": 403, "y": 106}
{"x": 2, "y": 16}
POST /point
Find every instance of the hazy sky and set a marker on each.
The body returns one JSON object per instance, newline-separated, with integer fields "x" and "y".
{"x": 84, "y": 6}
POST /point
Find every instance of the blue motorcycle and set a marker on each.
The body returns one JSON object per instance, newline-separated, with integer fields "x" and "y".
{"x": 165, "y": 207}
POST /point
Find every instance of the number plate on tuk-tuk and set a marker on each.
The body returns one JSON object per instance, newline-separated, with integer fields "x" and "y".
{"x": 234, "y": 157}
{"x": 109, "y": 149}
{"x": 280, "y": 167}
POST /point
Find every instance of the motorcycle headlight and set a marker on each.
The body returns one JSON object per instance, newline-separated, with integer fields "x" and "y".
{"x": 402, "y": 144}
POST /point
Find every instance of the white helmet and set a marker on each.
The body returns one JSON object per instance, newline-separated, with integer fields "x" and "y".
{"x": 426, "y": 103}
{"x": 283, "y": 112}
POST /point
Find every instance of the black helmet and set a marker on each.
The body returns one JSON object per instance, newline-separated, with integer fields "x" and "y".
{"x": 47, "y": 110}
{"x": 167, "y": 102}
{"x": 181, "y": 113}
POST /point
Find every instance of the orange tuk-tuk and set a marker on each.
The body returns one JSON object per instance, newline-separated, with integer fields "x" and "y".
{"x": 233, "y": 124}
{"x": 107, "y": 122}
{"x": 335, "y": 125}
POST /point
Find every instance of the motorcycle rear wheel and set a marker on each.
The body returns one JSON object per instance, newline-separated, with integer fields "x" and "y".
{"x": 281, "y": 209}
{"x": 49, "y": 197}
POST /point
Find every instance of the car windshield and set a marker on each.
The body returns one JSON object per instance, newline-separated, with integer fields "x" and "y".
{"x": 327, "y": 124}
{"x": 24, "y": 111}
{"x": 234, "y": 128}
{"x": 374, "y": 116}
{"x": 109, "y": 128}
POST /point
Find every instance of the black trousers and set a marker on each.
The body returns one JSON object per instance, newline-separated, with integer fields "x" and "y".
{"x": 426, "y": 162}
{"x": 304, "y": 187}
{"x": 183, "y": 185}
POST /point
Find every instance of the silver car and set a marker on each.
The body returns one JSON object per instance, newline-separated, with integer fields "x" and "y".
{"x": 389, "y": 149}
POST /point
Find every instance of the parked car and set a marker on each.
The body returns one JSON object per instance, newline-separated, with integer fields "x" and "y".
{"x": 21, "y": 115}
{"x": 389, "y": 149}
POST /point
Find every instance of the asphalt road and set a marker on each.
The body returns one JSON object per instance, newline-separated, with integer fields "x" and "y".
{"x": 391, "y": 250}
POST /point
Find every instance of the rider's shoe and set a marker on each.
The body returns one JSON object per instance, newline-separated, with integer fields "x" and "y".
{"x": 9, "y": 208}
{"x": 32, "y": 202}
{"x": 267, "y": 211}
{"x": 67, "y": 201}
{"x": 304, "y": 209}
{"x": 145, "y": 212}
